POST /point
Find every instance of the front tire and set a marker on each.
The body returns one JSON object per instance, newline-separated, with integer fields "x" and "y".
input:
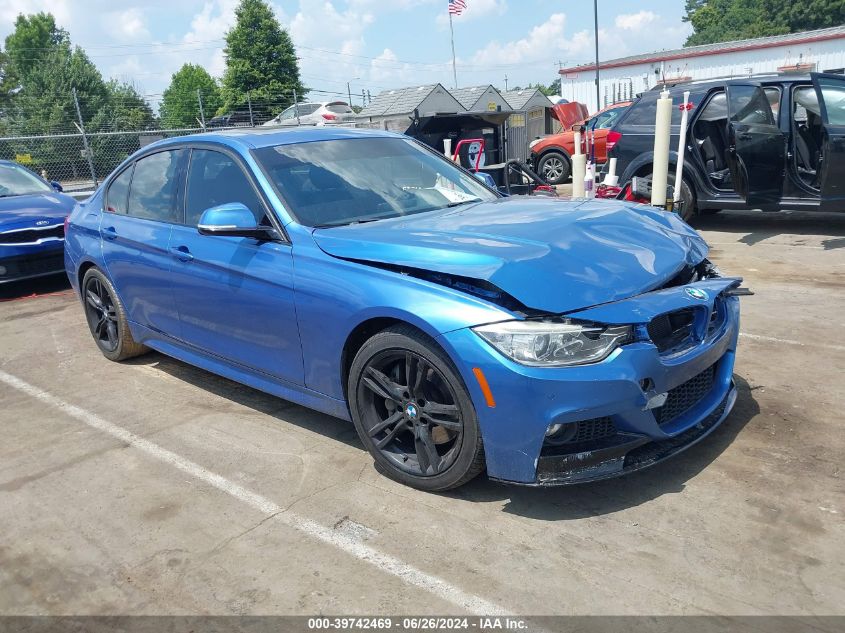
{"x": 106, "y": 318}
{"x": 413, "y": 412}
{"x": 554, "y": 167}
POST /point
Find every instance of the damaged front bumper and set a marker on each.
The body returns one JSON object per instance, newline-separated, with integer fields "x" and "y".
{"x": 641, "y": 405}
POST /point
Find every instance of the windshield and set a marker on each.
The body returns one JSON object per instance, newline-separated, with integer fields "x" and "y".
{"x": 331, "y": 183}
{"x": 17, "y": 181}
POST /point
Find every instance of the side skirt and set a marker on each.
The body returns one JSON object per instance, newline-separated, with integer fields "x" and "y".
{"x": 244, "y": 375}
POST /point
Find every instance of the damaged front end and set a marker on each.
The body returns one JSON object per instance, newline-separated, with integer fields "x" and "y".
{"x": 657, "y": 392}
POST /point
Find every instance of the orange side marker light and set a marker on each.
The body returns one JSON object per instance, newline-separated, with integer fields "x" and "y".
{"x": 485, "y": 388}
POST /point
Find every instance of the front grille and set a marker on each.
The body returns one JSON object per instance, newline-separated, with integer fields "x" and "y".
{"x": 29, "y": 266}
{"x": 31, "y": 235}
{"x": 685, "y": 396}
{"x": 717, "y": 316}
{"x": 668, "y": 331}
{"x": 595, "y": 429}
{"x": 581, "y": 436}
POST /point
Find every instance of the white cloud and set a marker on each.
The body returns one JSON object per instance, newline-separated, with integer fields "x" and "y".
{"x": 130, "y": 24}
{"x": 635, "y": 21}
{"x": 544, "y": 42}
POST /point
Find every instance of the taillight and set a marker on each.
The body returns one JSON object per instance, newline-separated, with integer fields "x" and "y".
{"x": 67, "y": 221}
{"x": 330, "y": 117}
{"x": 613, "y": 138}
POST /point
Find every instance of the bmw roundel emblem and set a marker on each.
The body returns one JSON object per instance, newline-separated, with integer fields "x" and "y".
{"x": 411, "y": 411}
{"x": 697, "y": 293}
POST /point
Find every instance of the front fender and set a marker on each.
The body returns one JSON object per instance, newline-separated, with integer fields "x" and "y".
{"x": 334, "y": 296}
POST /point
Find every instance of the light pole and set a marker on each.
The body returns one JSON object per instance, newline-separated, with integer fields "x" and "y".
{"x": 596, "y": 17}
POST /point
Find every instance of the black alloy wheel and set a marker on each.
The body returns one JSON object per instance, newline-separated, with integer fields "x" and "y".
{"x": 107, "y": 318}
{"x": 413, "y": 412}
{"x": 101, "y": 314}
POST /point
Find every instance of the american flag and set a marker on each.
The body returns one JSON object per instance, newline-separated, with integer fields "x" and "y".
{"x": 456, "y": 7}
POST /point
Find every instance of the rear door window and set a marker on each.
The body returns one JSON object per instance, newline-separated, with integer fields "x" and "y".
{"x": 645, "y": 113}
{"x": 155, "y": 186}
{"x": 749, "y": 105}
{"x": 214, "y": 179}
{"x": 118, "y": 192}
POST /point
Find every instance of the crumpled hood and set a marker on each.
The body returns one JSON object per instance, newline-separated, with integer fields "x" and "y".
{"x": 22, "y": 211}
{"x": 551, "y": 255}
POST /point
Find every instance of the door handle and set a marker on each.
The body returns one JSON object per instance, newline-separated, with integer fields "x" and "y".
{"x": 744, "y": 137}
{"x": 181, "y": 253}
{"x": 109, "y": 233}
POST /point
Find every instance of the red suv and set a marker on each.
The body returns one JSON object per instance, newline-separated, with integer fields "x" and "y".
{"x": 550, "y": 155}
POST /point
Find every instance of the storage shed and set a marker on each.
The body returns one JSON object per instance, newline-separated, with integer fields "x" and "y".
{"x": 481, "y": 98}
{"x": 531, "y": 119}
{"x": 391, "y": 109}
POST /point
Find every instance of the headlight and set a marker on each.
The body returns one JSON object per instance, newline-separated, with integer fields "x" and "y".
{"x": 555, "y": 343}
{"x": 534, "y": 142}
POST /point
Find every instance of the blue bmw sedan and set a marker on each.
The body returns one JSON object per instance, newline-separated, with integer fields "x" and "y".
{"x": 363, "y": 275}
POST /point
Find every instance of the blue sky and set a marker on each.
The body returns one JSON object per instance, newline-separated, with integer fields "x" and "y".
{"x": 374, "y": 44}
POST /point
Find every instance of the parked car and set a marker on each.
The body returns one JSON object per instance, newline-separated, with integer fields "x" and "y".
{"x": 324, "y": 113}
{"x": 362, "y": 274}
{"x": 32, "y": 217}
{"x": 243, "y": 117}
{"x": 770, "y": 142}
{"x": 551, "y": 155}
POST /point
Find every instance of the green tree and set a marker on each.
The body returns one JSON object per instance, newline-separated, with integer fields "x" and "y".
{"x": 179, "y": 105}
{"x": 725, "y": 20}
{"x": 260, "y": 60}
{"x": 35, "y": 37}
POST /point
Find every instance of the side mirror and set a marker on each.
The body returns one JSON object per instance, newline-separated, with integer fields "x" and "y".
{"x": 57, "y": 186}
{"x": 232, "y": 219}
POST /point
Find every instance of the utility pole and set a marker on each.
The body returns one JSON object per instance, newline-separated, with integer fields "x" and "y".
{"x": 86, "y": 148}
{"x": 202, "y": 112}
{"x": 596, "y": 17}
{"x": 506, "y": 83}
{"x": 349, "y": 93}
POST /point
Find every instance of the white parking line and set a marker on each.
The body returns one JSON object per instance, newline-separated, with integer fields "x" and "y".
{"x": 342, "y": 541}
{"x": 786, "y": 341}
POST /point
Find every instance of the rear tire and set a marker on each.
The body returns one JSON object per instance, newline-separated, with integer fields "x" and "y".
{"x": 413, "y": 412}
{"x": 554, "y": 167}
{"x": 687, "y": 196}
{"x": 107, "y": 318}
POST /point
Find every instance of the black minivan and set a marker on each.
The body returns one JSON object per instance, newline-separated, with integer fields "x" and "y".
{"x": 767, "y": 142}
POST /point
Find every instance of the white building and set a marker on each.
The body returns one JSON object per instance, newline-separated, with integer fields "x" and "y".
{"x": 620, "y": 79}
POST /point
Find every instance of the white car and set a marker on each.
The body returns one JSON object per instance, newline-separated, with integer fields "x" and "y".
{"x": 325, "y": 113}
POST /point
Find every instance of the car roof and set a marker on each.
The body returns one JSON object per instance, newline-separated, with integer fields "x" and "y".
{"x": 701, "y": 85}
{"x": 254, "y": 138}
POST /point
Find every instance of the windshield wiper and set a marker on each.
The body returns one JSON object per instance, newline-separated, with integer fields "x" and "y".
{"x": 457, "y": 204}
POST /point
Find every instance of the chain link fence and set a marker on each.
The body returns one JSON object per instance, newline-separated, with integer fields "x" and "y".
{"x": 81, "y": 146}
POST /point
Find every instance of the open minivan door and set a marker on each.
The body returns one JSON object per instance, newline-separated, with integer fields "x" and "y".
{"x": 830, "y": 90}
{"x": 756, "y": 154}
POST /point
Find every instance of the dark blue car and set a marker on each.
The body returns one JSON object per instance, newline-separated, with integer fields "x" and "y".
{"x": 32, "y": 217}
{"x": 363, "y": 275}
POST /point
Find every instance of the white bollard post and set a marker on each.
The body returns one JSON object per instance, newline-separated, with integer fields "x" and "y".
{"x": 660, "y": 165}
{"x": 447, "y": 148}
{"x": 611, "y": 180}
{"x": 682, "y": 143}
{"x": 579, "y": 168}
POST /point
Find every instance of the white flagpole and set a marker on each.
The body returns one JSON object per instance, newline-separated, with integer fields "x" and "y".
{"x": 454, "y": 66}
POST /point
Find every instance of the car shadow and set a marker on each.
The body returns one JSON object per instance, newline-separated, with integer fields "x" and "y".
{"x": 760, "y": 226}
{"x": 273, "y": 406}
{"x": 30, "y": 288}
{"x": 547, "y": 504}
{"x": 566, "y": 503}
